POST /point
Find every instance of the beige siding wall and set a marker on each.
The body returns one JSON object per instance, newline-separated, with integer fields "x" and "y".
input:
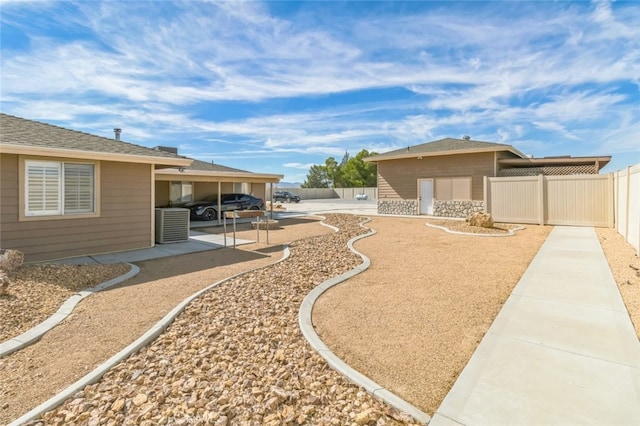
{"x": 124, "y": 222}
{"x": 581, "y": 200}
{"x": 163, "y": 190}
{"x": 398, "y": 179}
{"x": 258, "y": 190}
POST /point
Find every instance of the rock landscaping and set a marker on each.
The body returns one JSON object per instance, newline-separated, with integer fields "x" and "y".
{"x": 237, "y": 356}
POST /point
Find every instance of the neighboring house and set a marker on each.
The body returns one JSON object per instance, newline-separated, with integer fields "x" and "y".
{"x": 446, "y": 177}
{"x": 176, "y": 186}
{"x": 66, "y": 193}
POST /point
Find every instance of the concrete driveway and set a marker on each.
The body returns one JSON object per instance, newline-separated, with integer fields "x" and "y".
{"x": 334, "y": 205}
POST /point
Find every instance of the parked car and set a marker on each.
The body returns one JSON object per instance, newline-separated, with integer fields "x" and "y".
{"x": 286, "y": 196}
{"x": 362, "y": 196}
{"x": 207, "y": 209}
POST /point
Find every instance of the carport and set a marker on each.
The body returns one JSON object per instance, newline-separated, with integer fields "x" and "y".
{"x": 176, "y": 186}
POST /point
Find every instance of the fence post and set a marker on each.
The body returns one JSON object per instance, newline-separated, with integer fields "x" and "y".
{"x": 611, "y": 201}
{"x": 627, "y": 198}
{"x": 485, "y": 193}
{"x": 616, "y": 197}
{"x": 541, "y": 196}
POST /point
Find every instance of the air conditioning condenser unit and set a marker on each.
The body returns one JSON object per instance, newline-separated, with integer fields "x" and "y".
{"x": 172, "y": 225}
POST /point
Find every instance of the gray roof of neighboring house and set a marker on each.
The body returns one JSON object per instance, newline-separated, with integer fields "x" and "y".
{"x": 210, "y": 167}
{"x": 447, "y": 145}
{"x": 28, "y": 133}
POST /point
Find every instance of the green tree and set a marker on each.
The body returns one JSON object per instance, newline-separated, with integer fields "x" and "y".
{"x": 351, "y": 172}
{"x": 333, "y": 171}
{"x": 358, "y": 173}
{"x": 316, "y": 178}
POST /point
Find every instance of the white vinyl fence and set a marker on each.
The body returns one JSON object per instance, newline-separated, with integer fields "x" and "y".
{"x": 627, "y": 205}
{"x": 584, "y": 200}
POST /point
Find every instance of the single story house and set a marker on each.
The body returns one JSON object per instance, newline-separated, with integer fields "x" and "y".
{"x": 446, "y": 177}
{"x": 66, "y": 193}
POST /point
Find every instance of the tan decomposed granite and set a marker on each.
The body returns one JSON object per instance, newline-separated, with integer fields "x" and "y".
{"x": 38, "y": 291}
{"x": 412, "y": 320}
{"x": 236, "y": 355}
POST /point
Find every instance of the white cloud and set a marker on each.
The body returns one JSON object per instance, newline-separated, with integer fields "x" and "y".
{"x": 298, "y": 165}
{"x": 503, "y": 70}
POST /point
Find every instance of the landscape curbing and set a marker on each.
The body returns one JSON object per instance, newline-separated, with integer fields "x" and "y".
{"x": 304, "y": 322}
{"x": 34, "y": 334}
{"x": 308, "y": 331}
{"x": 148, "y": 337}
{"x": 510, "y": 232}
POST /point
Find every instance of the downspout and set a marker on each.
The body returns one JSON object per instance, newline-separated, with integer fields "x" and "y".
{"x": 219, "y": 201}
{"x": 153, "y": 206}
{"x": 271, "y": 202}
{"x": 495, "y": 163}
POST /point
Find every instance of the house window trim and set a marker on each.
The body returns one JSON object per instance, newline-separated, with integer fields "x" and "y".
{"x": 22, "y": 200}
{"x": 469, "y": 179}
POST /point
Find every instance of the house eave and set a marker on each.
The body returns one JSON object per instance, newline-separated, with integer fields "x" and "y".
{"x": 600, "y": 161}
{"x": 201, "y": 175}
{"x": 92, "y": 155}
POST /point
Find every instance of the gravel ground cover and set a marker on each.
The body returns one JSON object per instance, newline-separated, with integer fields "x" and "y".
{"x": 38, "y": 291}
{"x": 236, "y": 356}
{"x": 179, "y": 380}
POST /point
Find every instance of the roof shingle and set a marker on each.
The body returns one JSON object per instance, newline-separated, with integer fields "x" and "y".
{"x": 444, "y": 145}
{"x": 28, "y": 133}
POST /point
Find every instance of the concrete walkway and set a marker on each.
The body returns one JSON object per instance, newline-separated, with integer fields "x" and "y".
{"x": 562, "y": 351}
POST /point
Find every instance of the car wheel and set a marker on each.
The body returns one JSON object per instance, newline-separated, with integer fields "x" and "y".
{"x": 209, "y": 214}
{"x": 254, "y": 208}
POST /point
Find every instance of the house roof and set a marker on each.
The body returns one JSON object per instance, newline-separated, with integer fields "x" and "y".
{"x": 22, "y": 136}
{"x": 447, "y": 146}
{"x": 212, "y": 167}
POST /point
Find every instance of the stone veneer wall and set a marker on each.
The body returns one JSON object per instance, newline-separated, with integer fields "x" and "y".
{"x": 454, "y": 208}
{"x": 404, "y": 207}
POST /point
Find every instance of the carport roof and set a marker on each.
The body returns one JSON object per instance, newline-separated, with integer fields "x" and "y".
{"x": 202, "y": 171}
{"x": 212, "y": 167}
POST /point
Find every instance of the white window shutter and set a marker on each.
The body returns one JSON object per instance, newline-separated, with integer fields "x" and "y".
{"x": 43, "y": 195}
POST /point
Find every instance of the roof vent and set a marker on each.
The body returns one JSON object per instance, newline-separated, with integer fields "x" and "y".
{"x": 170, "y": 149}
{"x": 117, "y": 131}
{"x": 466, "y": 138}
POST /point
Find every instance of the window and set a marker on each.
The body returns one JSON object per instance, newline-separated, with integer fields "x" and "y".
{"x": 181, "y": 192}
{"x": 59, "y": 188}
{"x": 453, "y": 188}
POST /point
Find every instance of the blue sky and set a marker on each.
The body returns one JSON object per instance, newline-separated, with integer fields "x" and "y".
{"x": 274, "y": 87}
